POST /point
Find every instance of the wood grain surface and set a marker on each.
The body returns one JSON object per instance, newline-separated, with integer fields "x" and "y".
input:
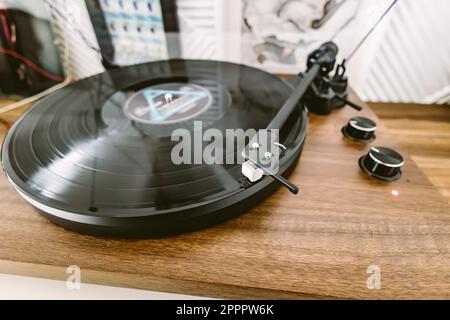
{"x": 424, "y": 132}
{"x": 318, "y": 244}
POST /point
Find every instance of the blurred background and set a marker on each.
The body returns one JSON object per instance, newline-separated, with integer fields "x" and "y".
{"x": 407, "y": 59}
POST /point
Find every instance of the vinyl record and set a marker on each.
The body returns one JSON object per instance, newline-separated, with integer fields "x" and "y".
{"x": 95, "y": 157}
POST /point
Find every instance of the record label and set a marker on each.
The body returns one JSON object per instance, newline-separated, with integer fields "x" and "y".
{"x": 168, "y": 103}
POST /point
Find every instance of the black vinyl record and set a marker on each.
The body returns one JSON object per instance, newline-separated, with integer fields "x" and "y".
{"x": 95, "y": 157}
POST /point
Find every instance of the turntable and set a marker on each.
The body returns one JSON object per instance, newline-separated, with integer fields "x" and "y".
{"x": 288, "y": 246}
{"x": 98, "y": 156}
{"x": 94, "y": 159}
{"x": 101, "y": 156}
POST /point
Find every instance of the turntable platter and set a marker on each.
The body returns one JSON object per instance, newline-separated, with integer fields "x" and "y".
{"x": 96, "y": 156}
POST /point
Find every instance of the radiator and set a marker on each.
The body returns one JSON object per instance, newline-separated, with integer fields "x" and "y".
{"x": 81, "y": 60}
{"x": 408, "y": 57}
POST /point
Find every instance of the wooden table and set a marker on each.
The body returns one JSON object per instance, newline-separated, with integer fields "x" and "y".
{"x": 318, "y": 244}
{"x": 424, "y": 132}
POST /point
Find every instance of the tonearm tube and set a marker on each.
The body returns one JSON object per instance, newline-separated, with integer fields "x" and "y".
{"x": 320, "y": 92}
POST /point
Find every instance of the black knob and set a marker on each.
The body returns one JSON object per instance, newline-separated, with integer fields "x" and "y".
{"x": 382, "y": 163}
{"x": 360, "y": 129}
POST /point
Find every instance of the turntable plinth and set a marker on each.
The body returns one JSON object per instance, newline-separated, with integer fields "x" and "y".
{"x": 319, "y": 244}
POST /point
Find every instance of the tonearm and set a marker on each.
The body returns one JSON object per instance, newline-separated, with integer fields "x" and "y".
{"x": 321, "y": 94}
{"x": 319, "y": 91}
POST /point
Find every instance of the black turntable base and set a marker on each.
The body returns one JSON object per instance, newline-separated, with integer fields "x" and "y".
{"x": 91, "y": 161}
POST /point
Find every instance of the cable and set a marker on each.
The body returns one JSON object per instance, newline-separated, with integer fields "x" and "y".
{"x": 42, "y": 94}
{"x": 6, "y": 30}
{"x": 69, "y": 21}
{"x": 38, "y": 96}
{"x": 80, "y": 32}
{"x": 370, "y": 31}
{"x": 5, "y": 123}
{"x": 31, "y": 64}
{"x": 20, "y": 57}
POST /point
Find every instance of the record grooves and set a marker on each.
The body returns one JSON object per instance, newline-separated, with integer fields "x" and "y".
{"x": 95, "y": 157}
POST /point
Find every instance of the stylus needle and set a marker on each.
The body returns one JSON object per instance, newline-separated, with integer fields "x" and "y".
{"x": 289, "y": 185}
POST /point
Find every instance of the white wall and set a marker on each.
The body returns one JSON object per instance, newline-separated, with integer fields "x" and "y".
{"x": 407, "y": 58}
